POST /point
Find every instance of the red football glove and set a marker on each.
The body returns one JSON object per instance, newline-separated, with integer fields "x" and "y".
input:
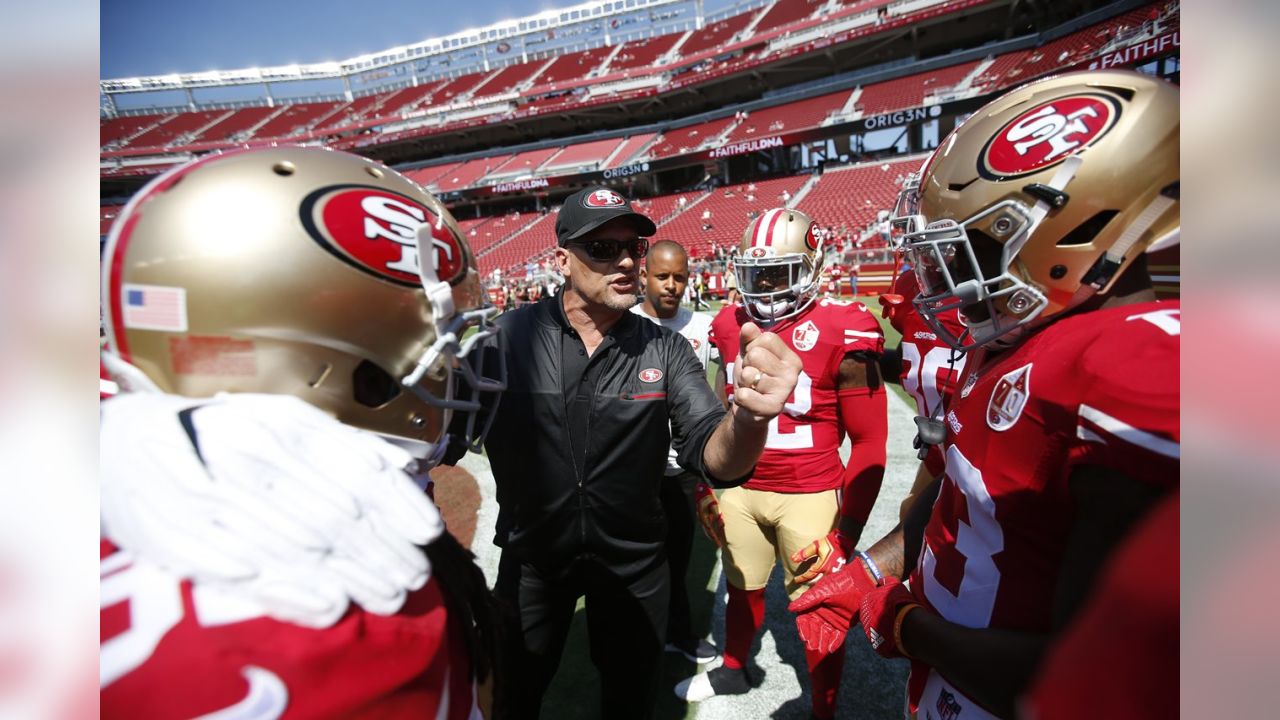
{"x": 826, "y": 555}
{"x": 826, "y": 610}
{"x": 709, "y": 513}
{"x": 881, "y": 615}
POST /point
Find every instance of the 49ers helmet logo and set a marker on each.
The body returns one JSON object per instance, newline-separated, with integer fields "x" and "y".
{"x": 1047, "y": 133}
{"x": 603, "y": 199}
{"x": 375, "y": 231}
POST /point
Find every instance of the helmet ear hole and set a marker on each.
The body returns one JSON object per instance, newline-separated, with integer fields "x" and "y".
{"x": 372, "y": 386}
{"x": 1085, "y": 232}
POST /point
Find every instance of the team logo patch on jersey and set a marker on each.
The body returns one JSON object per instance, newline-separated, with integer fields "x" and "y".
{"x": 603, "y": 199}
{"x": 376, "y": 231}
{"x": 650, "y": 375}
{"x": 1009, "y": 398}
{"x": 1047, "y": 133}
{"x": 805, "y": 336}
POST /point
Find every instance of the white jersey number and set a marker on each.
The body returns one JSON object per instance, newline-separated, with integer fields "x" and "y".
{"x": 925, "y": 376}
{"x": 801, "y": 401}
{"x": 155, "y": 605}
{"x": 978, "y": 539}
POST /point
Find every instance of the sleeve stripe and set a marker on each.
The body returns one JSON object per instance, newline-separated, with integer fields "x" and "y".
{"x": 849, "y": 335}
{"x": 1131, "y": 434}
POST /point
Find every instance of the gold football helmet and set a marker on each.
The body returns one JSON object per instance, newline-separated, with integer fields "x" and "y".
{"x": 1041, "y": 199}
{"x": 296, "y": 271}
{"x": 779, "y": 265}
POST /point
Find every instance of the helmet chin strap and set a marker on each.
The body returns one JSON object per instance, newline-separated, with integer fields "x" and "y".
{"x": 440, "y": 296}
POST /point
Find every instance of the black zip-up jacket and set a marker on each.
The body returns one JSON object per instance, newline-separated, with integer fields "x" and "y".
{"x": 552, "y": 510}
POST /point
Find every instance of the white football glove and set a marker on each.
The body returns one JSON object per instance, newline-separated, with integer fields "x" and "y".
{"x": 267, "y": 496}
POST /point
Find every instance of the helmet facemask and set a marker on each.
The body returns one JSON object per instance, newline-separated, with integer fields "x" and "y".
{"x": 477, "y": 369}
{"x": 961, "y": 266}
{"x": 792, "y": 282}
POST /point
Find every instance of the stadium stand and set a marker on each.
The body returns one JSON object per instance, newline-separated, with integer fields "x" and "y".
{"x": 456, "y": 89}
{"x": 178, "y": 129}
{"x": 403, "y": 101}
{"x": 785, "y": 12}
{"x": 853, "y": 196}
{"x": 466, "y": 174}
{"x": 566, "y": 85}
{"x": 571, "y": 66}
{"x": 520, "y": 165}
{"x": 106, "y": 216}
{"x": 294, "y": 119}
{"x": 533, "y": 239}
{"x": 642, "y": 53}
{"x": 509, "y": 78}
{"x": 721, "y": 214}
{"x": 690, "y": 138}
{"x": 629, "y": 150}
{"x": 351, "y": 112}
{"x": 714, "y": 34}
{"x": 589, "y": 155}
{"x": 117, "y": 131}
{"x": 241, "y": 121}
{"x": 788, "y": 118}
{"x": 909, "y": 91}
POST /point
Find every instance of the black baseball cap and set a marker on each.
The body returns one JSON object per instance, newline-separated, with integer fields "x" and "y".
{"x": 592, "y": 207}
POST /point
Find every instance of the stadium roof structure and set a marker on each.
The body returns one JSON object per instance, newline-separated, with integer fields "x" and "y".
{"x": 497, "y": 44}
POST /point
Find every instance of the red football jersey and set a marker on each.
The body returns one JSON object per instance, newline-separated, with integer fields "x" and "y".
{"x": 1096, "y": 389}
{"x": 1121, "y": 652}
{"x": 802, "y": 453}
{"x": 930, "y": 369}
{"x": 173, "y": 650}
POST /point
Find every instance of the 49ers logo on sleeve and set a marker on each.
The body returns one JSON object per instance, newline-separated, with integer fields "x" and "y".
{"x": 1047, "y": 133}
{"x": 1009, "y": 398}
{"x": 375, "y": 231}
{"x": 603, "y": 199}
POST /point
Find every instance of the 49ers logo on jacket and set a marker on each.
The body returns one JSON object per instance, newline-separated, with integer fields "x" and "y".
{"x": 650, "y": 375}
{"x": 603, "y": 199}
{"x": 375, "y": 231}
{"x": 1009, "y": 398}
{"x": 1047, "y": 133}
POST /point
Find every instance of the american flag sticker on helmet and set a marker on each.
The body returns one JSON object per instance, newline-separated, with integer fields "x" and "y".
{"x": 154, "y": 307}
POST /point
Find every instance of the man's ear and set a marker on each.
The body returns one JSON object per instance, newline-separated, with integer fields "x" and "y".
{"x": 644, "y": 273}
{"x": 562, "y": 261}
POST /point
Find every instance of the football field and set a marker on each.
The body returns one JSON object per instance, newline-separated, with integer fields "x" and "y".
{"x": 871, "y": 688}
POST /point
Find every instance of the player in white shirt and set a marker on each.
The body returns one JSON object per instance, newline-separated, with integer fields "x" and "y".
{"x": 664, "y": 279}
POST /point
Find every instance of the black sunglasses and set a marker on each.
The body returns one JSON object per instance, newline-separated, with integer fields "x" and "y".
{"x": 608, "y": 250}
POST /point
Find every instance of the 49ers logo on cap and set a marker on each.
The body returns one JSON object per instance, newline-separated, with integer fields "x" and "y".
{"x": 1047, "y": 133}
{"x": 603, "y": 199}
{"x": 376, "y": 231}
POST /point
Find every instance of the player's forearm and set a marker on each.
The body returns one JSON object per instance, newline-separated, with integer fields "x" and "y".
{"x": 735, "y": 445}
{"x": 992, "y": 667}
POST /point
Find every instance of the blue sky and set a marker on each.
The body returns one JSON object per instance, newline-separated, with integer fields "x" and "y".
{"x": 154, "y": 37}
